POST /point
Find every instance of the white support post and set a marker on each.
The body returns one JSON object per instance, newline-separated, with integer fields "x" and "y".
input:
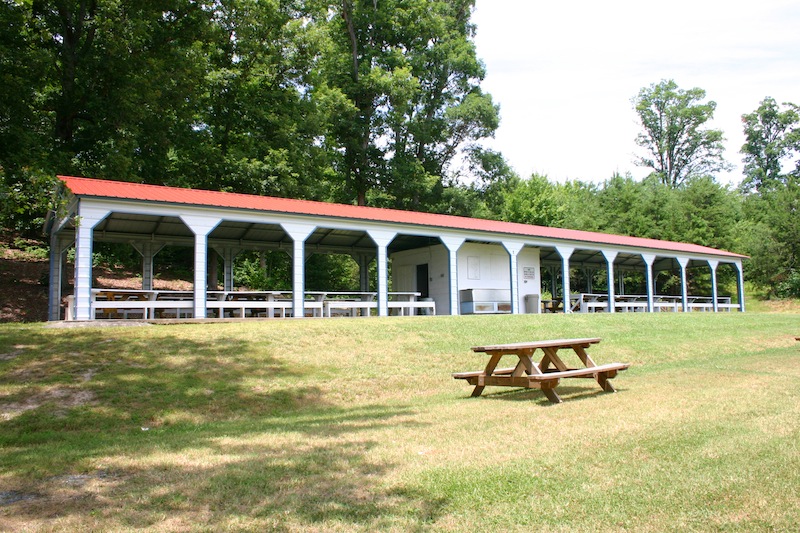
{"x": 57, "y": 272}
{"x": 200, "y": 285}
{"x": 740, "y": 284}
{"x": 453, "y": 244}
{"x": 212, "y": 281}
{"x": 228, "y": 254}
{"x": 610, "y": 256}
{"x": 513, "y": 249}
{"x": 713, "y": 264}
{"x": 298, "y": 233}
{"x": 56, "y": 277}
{"x": 88, "y": 218}
{"x": 148, "y": 251}
{"x": 382, "y": 240}
{"x": 201, "y": 226}
{"x": 649, "y": 259}
{"x": 565, "y": 252}
{"x": 684, "y": 263}
{"x": 363, "y": 270}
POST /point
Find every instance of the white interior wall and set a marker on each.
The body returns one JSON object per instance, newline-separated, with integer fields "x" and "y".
{"x": 480, "y": 266}
{"x": 483, "y": 266}
{"x": 404, "y": 274}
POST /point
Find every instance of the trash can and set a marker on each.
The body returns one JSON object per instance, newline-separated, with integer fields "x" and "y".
{"x": 532, "y": 304}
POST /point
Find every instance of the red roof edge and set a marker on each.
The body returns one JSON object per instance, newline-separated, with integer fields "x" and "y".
{"x": 98, "y": 188}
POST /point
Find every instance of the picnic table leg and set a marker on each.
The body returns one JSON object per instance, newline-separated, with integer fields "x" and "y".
{"x": 551, "y": 356}
{"x": 605, "y": 384}
{"x": 525, "y": 365}
{"x": 548, "y": 388}
{"x": 602, "y": 378}
{"x": 493, "y": 360}
{"x": 584, "y": 357}
{"x": 544, "y": 364}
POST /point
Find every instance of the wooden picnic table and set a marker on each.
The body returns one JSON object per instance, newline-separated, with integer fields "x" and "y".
{"x": 546, "y": 373}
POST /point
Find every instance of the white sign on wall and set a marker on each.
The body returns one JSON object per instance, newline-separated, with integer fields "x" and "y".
{"x": 528, "y": 273}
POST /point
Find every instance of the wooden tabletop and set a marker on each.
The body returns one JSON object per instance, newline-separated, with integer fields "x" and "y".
{"x": 557, "y": 343}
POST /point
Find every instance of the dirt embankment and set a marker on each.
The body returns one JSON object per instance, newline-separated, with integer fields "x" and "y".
{"x": 24, "y": 276}
{"x": 23, "y": 284}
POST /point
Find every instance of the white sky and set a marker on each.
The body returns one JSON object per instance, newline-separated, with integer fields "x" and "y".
{"x": 564, "y": 73}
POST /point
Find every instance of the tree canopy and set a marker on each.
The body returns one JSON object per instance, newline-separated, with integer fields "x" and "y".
{"x": 677, "y": 145}
{"x": 353, "y": 101}
{"x": 772, "y": 140}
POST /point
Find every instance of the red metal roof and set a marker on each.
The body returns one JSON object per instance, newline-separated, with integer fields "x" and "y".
{"x": 96, "y": 188}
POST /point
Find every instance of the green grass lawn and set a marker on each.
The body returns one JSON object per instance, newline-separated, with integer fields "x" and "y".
{"x": 356, "y": 424}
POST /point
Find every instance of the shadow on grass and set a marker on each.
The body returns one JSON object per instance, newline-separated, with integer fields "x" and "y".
{"x": 234, "y": 473}
{"x": 138, "y": 379}
{"x": 122, "y": 431}
{"x": 566, "y": 392}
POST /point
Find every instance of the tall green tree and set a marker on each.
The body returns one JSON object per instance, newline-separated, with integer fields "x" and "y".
{"x": 772, "y": 139}
{"x": 639, "y": 208}
{"x": 356, "y": 100}
{"x": 205, "y": 94}
{"x": 491, "y": 178}
{"x": 771, "y": 233}
{"x": 118, "y": 79}
{"x": 254, "y": 127}
{"x": 581, "y": 205}
{"x": 24, "y": 188}
{"x": 676, "y": 143}
{"x": 408, "y": 81}
{"x": 21, "y": 71}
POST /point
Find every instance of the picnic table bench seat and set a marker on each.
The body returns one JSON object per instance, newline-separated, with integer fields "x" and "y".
{"x": 609, "y": 369}
{"x": 476, "y": 373}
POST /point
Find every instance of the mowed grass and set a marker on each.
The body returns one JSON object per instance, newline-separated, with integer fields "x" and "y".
{"x": 356, "y": 425}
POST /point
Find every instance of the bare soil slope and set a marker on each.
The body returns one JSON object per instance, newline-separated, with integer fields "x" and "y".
{"x": 24, "y": 274}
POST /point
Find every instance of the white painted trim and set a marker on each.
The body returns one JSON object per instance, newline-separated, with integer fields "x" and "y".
{"x": 565, "y": 252}
{"x": 649, "y": 259}
{"x": 202, "y": 220}
{"x": 88, "y": 216}
{"x": 201, "y": 226}
{"x": 610, "y": 256}
{"x": 55, "y": 277}
{"x": 513, "y": 248}
{"x": 298, "y": 233}
{"x": 453, "y": 244}
{"x": 740, "y": 284}
{"x": 683, "y": 262}
{"x": 712, "y": 265}
{"x": 382, "y": 240}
